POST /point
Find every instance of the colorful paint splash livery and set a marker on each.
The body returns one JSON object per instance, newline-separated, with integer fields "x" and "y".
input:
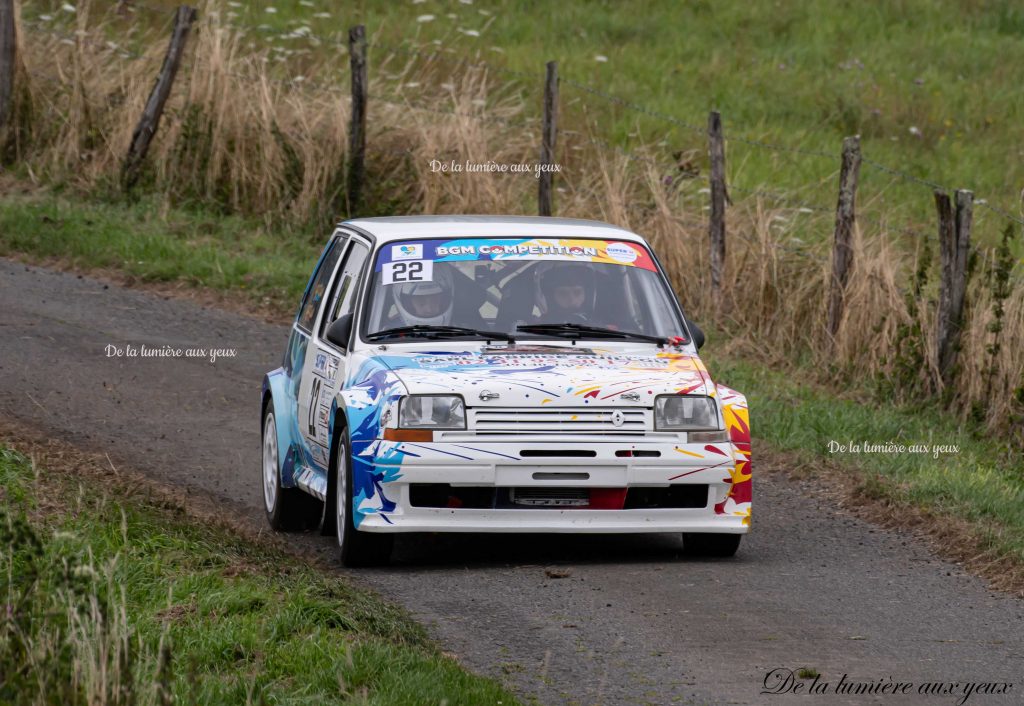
{"x": 549, "y": 379}
{"x": 538, "y": 435}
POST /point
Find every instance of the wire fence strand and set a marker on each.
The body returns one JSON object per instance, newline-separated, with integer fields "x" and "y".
{"x": 519, "y": 76}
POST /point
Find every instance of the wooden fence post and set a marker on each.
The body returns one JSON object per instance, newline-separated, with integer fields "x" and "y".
{"x": 8, "y": 55}
{"x": 719, "y": 195}
{"x": 954, "y": 246}
{"x": 143, "y": 134}
{"x": 842, "y": 246}
{"x": 357, "y": 124}
{"x": 549, "y": 132}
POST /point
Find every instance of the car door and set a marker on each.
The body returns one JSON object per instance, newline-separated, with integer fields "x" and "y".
{"x": 326, "y": 363}
{"x": 302, "y": 335}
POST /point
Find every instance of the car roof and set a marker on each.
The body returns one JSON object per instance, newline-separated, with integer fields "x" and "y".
{"x": 390, "y": 228}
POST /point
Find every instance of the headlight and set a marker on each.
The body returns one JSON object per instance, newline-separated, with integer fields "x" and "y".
{"x": 432, "y": 412}
{"x": 685, "y": 413}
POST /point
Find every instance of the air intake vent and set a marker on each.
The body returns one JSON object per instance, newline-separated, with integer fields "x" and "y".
{"x": 637, "y": 453}
{"x": 557, "y": 453}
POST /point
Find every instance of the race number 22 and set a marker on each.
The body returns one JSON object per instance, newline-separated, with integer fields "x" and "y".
{"x": 407, "y": 271}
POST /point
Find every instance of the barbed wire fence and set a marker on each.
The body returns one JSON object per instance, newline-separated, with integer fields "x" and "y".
{"x": 521, "y": 80}
{"x": 463, "y": 62}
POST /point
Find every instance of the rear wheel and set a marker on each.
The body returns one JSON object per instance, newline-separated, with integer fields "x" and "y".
{"x": 711, "y": 545}
{"x": 287, "y": 508}
{"x": 357, "y": 548}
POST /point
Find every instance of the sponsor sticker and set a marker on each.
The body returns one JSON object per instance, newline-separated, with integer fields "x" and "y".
{"x": 621, "y": 252}
{"x": 614, "y": 252}
{"x": 320, "y": 363}
{"x": 407, "y": 251}
{"x": 326, "y": 393}
{"x": 326, "y": 365}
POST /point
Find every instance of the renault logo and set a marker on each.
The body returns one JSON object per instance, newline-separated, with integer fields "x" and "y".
{"x": 618, "y": 418}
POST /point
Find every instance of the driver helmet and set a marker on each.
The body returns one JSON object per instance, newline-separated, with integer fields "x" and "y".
{"x": 428, "y": 303}
{"x": 568, "y": 291}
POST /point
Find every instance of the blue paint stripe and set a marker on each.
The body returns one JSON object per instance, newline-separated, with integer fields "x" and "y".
{"x": 531, "y": 387}
{"x": 468, "y": 458}
{"x": 486, "y": 451}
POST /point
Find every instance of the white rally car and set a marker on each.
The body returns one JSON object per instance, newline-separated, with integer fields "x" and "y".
{"x": 499, "y": 374}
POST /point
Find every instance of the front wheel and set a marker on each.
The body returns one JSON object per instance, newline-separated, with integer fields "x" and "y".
{"x": 356, "y": 548}
{"x": 711, "y": 545}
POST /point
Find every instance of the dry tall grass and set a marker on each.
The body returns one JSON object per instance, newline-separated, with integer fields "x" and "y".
{"x": 243, "y": 137}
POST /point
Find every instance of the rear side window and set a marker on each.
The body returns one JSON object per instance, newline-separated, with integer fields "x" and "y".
{"x": 346, "y": 285}
{"x": 315, "y": 293}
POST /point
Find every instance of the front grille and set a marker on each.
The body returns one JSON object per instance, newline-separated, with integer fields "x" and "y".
{"x": 675, "y": 496}
{"x": 445, "y": 495}
{"x": 573, "y": 420}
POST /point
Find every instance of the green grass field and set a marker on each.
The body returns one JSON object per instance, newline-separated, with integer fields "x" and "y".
{"x": 113, "y": 597}
{"x": 931, "y": 85}
{"x": 234, "y": 254}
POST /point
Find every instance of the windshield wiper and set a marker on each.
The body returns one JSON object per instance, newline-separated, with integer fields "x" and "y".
{"x": 571, "y": 330}
{"x": 432, "y": 330}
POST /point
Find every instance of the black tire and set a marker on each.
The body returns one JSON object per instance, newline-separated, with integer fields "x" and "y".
{"x": 711, "y": 545}
{"x": 286, "y": 508}
{"x": 356, "y": 548}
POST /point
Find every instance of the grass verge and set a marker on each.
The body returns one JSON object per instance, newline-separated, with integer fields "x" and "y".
{"x": 114, "y": 599}
{"x": 152, "y": 244}
{"x": 917, "y": 464}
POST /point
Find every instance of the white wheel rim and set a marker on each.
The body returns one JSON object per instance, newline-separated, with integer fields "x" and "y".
{"x": 341, "y": 492}
{"x": 270, "y": 462}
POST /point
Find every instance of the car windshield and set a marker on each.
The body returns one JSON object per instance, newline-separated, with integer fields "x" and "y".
{"x": 525, "y": 288}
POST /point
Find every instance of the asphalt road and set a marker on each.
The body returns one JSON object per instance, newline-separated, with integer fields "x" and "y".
{"x": 631, "y": 623}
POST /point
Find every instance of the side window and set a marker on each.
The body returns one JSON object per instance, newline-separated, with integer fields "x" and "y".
{"x": 343, "y": 297}
{"x": 659, "y": 308}
{"x": 316, "y": 292}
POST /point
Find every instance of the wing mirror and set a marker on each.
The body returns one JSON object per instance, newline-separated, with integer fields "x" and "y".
{"x": 340, "y": 331}
{"x": 695, "y": 332}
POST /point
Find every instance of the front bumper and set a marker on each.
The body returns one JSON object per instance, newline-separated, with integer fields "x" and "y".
{"x": 462, "y": 461}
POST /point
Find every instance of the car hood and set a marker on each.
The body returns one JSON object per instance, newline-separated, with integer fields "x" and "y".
{"x": 560, "y": 376}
